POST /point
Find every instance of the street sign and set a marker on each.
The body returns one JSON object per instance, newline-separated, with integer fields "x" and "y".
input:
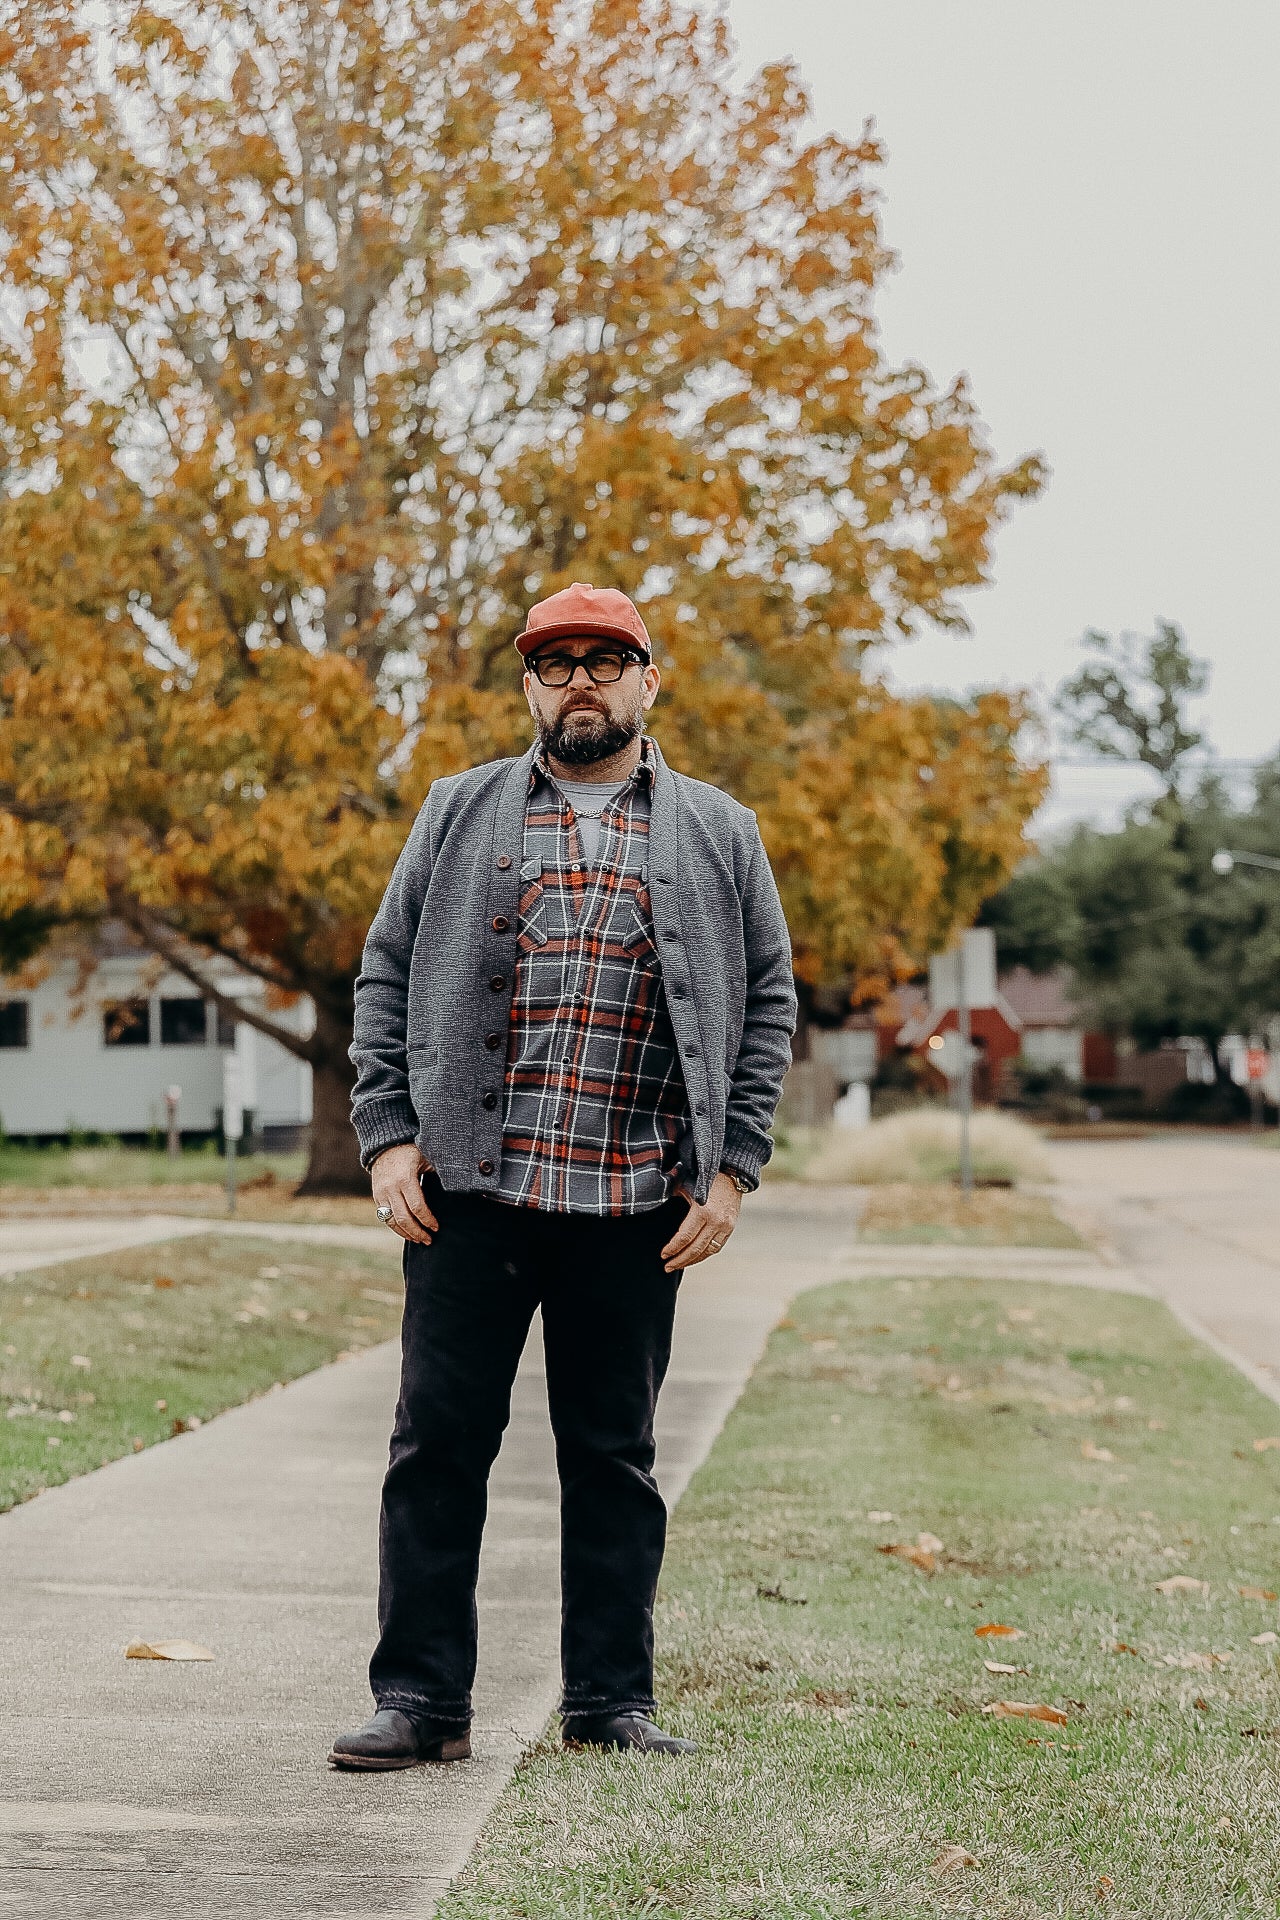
{"x": 1257, "y": 1063}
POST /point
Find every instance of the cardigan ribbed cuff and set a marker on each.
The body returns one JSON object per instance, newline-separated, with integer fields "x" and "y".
{"x": 386, "y": 1120}
{"x": 744, "y": 1151}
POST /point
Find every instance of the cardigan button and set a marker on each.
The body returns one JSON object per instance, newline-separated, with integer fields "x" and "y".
{"x": 670, "y": 933}
{"x": 500, "y": 923}
{"x": 498, "y": 982}
{"x": 504, "y": 861}
{"x": 493, "y": 1041}
{"x": 486, "y": 1166}
{"x": 489, "y": 1100}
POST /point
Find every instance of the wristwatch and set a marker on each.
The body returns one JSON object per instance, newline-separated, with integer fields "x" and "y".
{"x": 739, "y": 1180}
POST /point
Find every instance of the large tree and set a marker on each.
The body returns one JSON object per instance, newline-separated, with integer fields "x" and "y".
{"x": 335, "y": 332}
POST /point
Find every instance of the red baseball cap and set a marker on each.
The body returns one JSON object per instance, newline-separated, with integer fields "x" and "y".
{"x": 582, "y": 612}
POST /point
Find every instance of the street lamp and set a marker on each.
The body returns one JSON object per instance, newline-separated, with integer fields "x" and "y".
{"x": 1227, "y": 859}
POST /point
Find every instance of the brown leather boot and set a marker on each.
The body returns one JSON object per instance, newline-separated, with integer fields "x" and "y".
{"x": 391, "y": 1739}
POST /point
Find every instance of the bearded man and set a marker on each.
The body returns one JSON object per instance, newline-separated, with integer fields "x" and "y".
{"x": 571, "y": 1027}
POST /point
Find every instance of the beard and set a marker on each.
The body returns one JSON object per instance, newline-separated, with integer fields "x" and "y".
{"x": 584, "y": 735}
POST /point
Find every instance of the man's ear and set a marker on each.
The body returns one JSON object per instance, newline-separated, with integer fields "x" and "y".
{"x": 651, "y": 682}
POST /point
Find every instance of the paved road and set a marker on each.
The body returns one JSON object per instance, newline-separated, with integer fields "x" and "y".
{"x": 154, "y": 1791}
{"x": 1195, "y": 1221}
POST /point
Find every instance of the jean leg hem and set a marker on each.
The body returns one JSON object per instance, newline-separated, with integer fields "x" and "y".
{"x": 600, "y": 1707}
{"x": 434, "y": 1712}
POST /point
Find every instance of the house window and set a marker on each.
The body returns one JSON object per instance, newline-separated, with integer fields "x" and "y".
{"x": 13, "y": 1024}
{"x": 126, "y": 1023}
{"x": 182, "y": 1023}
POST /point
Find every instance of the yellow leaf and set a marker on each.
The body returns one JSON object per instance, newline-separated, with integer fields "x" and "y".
{"x": 1255, "y": 1593}
{"x": 996, "y": 1630}
{"x": 1024, "y": 1710}
{"x": 166, "y": 1650}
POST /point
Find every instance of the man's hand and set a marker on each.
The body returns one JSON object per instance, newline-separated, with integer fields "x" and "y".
{"x": 395, "y": 1185}
{"x": 704, "y": 1230}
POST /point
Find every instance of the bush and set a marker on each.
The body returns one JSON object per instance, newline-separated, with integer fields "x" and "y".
{"x": 925, "y": 1146}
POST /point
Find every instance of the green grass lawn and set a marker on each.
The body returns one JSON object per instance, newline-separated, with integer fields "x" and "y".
{"x": 109, "y": 1166}
{"x": 838, "y": 1691}
{"x": 102, "y": 1356}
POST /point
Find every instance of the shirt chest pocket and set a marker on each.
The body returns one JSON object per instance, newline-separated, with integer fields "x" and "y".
{"x": 632, "y": 925}
{"x": 531, "y": 928}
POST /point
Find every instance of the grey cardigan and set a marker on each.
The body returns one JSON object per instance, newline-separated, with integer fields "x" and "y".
{"x": 434, "y": 993}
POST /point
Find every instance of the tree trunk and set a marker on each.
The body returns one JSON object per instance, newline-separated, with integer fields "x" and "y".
{"x": 333, "y": 1164}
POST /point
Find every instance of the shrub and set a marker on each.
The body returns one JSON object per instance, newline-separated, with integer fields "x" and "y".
{"x": 925, "y": 1146}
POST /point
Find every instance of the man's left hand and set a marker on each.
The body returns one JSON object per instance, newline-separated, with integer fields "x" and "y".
{"x": 704, "y": 1229}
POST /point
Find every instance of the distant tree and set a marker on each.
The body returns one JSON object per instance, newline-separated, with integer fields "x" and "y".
{"x": 1160, "y": 945}
{"x": 336, "y": 332}
{"x": 1130, "y": 704}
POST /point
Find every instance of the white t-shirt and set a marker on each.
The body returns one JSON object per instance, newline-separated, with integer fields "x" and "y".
{"x": 589, "y": 798}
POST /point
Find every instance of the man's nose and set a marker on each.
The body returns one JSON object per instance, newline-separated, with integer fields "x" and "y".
{"x": 580, "y": 667}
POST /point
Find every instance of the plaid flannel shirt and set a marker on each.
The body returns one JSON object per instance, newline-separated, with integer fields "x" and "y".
{"x": 594, "y": 1099}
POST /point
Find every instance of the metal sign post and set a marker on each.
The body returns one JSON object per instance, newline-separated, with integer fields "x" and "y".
{"x": 173, "y": 1139}
{"x": 965, "y": 1087}
{"x": 232, "y": 1121}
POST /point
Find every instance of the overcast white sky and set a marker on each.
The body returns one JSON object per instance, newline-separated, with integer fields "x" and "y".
{"x": 1085, "y": 201}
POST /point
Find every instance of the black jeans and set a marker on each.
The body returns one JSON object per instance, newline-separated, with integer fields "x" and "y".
{"x": 607, "y": 1315}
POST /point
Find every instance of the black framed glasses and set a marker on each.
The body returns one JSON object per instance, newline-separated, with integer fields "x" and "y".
{"x": 603, "y": 664}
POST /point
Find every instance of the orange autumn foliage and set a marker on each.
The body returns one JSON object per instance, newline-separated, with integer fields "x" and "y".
{"x": 337, "y": 333}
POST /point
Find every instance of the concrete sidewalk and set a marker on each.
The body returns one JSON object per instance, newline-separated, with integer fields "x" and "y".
{"x": 154, "y": 1791}
{"x": 42, "y": 1241}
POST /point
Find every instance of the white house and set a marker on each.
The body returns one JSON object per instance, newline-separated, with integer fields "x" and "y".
{"x": 93, "y": 1044}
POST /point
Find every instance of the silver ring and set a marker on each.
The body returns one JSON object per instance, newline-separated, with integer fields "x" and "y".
{"x": 386, "y": 1215}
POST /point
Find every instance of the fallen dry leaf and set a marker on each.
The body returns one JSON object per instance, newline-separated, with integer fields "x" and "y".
{"x": 1195, "y": 1662}
{"x": 1181, "y": 1583}
{"x": 1105, "y": 1886}
{"x": 929, "y": 1543}
{"x": 1090, "y": 1452}
{"x": 995, "y": 1630}
{"x": 1122, "y": 1646}
{"x": 1002, "y": 1666}
{"x": 1255, "y": 1593}
{"x": 950, "y": 1857}
{"x": 81, "y": 1360}
{"x": 918, "y": 1556}
{"x": 879, "y": 1515}
{"x": 1265, "y": 1446}
{"x": 1263, "y": 1639}
{"x": 383, "y": 1298}
{"x": 166, "y": 1650}
{"x": 163, "y": 1281}
{"x": 1024, "y": 1710}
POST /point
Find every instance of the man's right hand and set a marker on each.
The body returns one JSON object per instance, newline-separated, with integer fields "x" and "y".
{"x": 396, "y": 1185}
